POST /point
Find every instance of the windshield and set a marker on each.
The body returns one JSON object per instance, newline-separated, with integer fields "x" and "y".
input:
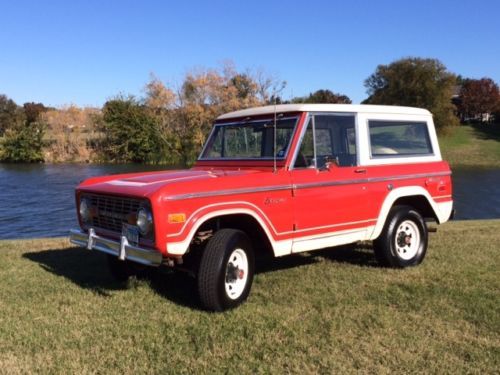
{"x": 250, "y": 139}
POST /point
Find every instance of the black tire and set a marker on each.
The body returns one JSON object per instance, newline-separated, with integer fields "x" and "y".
{"x": 403, "y": 241}
{"x": 217, "y": 273}
{"x": 123, "y": 270}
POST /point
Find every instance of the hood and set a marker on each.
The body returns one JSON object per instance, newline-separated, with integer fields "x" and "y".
{"x": 147, "y": 183}
{"x": 154, "y": 178}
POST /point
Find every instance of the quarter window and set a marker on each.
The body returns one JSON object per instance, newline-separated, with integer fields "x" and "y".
{"x": 395, "y": 138}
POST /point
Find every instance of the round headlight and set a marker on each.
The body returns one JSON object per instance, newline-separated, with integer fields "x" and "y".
{"x": 85, "y": 210}
{"x": 144, "y": 220}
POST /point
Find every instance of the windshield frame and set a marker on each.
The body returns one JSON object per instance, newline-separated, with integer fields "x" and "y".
{"x": 243, "y": 121}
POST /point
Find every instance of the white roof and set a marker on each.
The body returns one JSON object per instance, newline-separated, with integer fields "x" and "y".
{"x": 358, "y": 108}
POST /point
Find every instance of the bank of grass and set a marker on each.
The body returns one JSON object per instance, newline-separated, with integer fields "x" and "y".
{"x": 472, "y": 146}
{"x": 60, "y": 312}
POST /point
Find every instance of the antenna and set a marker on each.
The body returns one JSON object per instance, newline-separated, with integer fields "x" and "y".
{"x": 274, "y": 137}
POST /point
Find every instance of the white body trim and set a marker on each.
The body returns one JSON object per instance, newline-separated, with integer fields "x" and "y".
{"x": 351, "y": 108}
{"x": 330, "y": 239}
{"x": 311, "y": 242}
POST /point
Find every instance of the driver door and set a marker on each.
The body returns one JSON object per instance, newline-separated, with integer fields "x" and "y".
{"x": 329, "y": 189}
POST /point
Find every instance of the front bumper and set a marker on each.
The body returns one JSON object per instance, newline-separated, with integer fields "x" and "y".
{"x": 123, "y": 250}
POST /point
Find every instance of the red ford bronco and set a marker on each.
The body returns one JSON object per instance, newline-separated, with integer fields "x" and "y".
{"x": 278, "y": 180}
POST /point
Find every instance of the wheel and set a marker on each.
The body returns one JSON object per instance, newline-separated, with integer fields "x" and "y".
{"x": 403, "y": 241}
{"x": 226, "y": 270}
{"x": 122, "y": 270}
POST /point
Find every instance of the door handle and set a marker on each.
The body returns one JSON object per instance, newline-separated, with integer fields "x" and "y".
{"x": 360, "y": 170}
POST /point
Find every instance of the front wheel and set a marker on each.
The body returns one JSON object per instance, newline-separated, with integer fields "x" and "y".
{"x": 403, "y": 241}
{"x": 226, "y": 270}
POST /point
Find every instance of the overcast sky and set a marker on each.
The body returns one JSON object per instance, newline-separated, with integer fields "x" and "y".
{"x": 84, "y": 52}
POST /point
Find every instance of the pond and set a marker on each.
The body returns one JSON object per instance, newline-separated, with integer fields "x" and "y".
{"x": 37, "y": 200}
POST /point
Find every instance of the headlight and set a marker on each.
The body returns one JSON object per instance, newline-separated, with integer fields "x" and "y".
{"x": 85, "y": 210}
{"x": 144, "y": 220}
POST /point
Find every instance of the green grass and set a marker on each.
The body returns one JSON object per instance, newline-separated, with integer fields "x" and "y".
{"x": 60, "y": 312}
{"x": 472, "y": 146}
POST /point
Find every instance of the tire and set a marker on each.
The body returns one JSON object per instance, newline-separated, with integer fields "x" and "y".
{"x": 226, "y": 270}
{"x": 403, "y": 241}
{"x": 123, "y": 270}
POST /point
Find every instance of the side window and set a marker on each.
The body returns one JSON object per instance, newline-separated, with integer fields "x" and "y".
{"x": 398, "y": 138}
{"x": 328, "y": 138}
{"x": 305, "y": 156}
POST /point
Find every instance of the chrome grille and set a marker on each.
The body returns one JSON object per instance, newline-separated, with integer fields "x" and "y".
{"x": 111, "y": 212}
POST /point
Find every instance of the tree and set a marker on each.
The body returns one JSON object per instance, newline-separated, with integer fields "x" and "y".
{"x": 206, "y": 94}
{"x": 184, "y": 118}
{"x": 416, "y": 82}
{"x": 244, "y": 85}
{"x": 22, "y": 132}
{"x": 9, "y": 114}
{"x": 478, "y": 98}
{"x": 23, "y": 143}
{"x": 323, "y": 96}
{"x": 161, "y": 103}
{"x": 130, "y": 133}
{"x": 158, "y": 96}
{"x": 32, "y": 111}
{"x": 71, "y": 133}
{"x": 496, "y": 116}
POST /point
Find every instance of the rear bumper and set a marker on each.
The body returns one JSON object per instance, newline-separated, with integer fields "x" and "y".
{"x": 123, "y": 250}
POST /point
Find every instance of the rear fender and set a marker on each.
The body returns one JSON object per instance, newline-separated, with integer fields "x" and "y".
{"x": 442, "y": 211}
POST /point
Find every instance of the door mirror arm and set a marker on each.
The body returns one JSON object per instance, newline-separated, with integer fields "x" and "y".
{"x": 329, "y": 163}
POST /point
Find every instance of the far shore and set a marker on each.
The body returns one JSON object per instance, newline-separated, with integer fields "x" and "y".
{"x": 466, "y": 146}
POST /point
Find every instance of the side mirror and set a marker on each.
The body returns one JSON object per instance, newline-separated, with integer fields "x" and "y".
{"x": 330, "y": 163}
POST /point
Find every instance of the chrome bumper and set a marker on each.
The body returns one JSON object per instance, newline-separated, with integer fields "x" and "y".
{"x": 123, "y": 250}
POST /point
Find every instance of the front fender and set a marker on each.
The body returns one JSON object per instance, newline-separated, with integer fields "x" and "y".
{"x": 178, "y": 243}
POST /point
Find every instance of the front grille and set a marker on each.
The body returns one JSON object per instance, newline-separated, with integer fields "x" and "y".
{"x": 110, "y": 213}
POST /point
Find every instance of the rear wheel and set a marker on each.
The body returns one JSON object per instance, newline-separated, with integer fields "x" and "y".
{"x": 226, "y": 270}
{"x": 403, "y": 241}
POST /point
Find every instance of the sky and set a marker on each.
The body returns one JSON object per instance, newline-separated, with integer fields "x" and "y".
{"x": 85, "y": 52}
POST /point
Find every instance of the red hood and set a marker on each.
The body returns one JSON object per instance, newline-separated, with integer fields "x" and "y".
{"x": 147, "y": 183}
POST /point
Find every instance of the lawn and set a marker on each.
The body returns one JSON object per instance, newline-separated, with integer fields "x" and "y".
{"x": 334, "y": 311}
{"x": 472, "y": 146}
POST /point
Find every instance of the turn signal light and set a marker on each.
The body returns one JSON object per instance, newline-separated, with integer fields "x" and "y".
{"x": 176, "y": 218}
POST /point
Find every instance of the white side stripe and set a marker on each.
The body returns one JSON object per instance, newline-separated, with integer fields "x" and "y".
{"x": 266, "y": 219}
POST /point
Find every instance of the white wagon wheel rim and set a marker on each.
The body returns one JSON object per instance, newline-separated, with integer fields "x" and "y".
{"x": 236, "y": 274}
{"x": 407, "y": 240}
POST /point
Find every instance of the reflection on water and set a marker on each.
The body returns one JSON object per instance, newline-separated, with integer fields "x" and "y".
{"x": 37, "y": 200}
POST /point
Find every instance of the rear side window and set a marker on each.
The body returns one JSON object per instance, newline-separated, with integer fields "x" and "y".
{"x": 398, "y": 138}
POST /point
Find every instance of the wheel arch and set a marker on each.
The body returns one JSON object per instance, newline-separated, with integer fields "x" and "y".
{"x": 241, "y": 218}
{"x": 245, "y": 222}
{"x": 413, "y": 196}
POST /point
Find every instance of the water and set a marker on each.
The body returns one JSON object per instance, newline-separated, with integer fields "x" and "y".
{"x": 37, "y": 200}
{"x": 476, "y": 193}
